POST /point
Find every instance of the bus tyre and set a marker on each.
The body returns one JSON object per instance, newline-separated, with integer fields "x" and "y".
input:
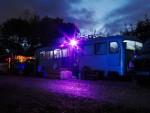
{"x": 85, "y": 72}
{"x": 113, "y": 75}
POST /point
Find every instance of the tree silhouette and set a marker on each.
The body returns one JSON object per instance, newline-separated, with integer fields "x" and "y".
{"x": 36, "y": 31}
{"x": 141, "y": 30}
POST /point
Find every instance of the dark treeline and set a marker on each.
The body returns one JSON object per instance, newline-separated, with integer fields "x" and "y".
{"x": 141, "y": 30}
{"x": 23, "y": 36}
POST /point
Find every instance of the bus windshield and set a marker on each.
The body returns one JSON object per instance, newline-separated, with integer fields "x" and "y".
{"x": 133, "y": 45}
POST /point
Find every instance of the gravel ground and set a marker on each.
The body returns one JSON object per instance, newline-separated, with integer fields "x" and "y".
{"x": 36, "y": 95}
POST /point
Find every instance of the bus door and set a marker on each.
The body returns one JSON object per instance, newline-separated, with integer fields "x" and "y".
{"x": 132, "y": 49}
{"x": 114, "y": 56}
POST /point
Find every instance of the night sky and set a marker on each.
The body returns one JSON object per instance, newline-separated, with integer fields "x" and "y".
{"x": 108, "y": 16}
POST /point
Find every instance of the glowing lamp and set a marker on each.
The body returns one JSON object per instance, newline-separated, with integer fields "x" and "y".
{"x": 73, "y": 42}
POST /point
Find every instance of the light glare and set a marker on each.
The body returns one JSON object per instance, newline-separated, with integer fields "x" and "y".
{"x": 73, "y": 42}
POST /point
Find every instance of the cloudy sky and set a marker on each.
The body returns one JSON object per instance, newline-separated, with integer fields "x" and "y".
{"x": 108, "y": 16}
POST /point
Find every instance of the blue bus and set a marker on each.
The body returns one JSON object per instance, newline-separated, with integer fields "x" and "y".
{"x": 107, "y": 54}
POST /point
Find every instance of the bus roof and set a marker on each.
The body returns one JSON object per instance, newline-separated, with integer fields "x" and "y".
{"x": 94, "y": 40}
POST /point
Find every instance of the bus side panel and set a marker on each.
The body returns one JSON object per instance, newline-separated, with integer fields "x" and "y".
{"x": 95, "y": 62}
{"x": 104, "y": 63}
{"x": 109, "y": 62}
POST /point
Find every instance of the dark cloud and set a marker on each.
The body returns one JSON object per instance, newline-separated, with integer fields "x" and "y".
{"x": 42, "y": 7}
{"x": 53, "y": 8}
{"x": 82, "y": 17}
{"x": 78, "y": 12}
{"x": 134, "y": 11}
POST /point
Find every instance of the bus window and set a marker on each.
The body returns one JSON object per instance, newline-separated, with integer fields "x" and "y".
{"x": 42, "y": 54}
{"x": 47, "y": 55}
{"x": 138, "y": 45}
{"x": 133, "y": 45}
{"x": 64, "y": 53}
{"x": 51, "y": 54}
{"x": 100, "y": 48}
{"x": 88, "y": 50}
{"x": 113, "y": 47}
{"x": 57, "y": 53}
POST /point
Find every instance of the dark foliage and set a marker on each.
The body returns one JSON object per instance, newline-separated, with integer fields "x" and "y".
{"x": 141, "y": 30}
{"x": 36, "y": 32}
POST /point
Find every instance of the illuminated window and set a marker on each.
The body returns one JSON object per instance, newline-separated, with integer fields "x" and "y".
{"x": 100, "y": 48}
{"x": 114, "y": 47}
{"x": 42, "y": 54}
{"x": 130, "y": 45}
{"x": 57, "y": 53}
{"x": 64, "y": 52}
{"x": 51, "y": 54}
{"x": 139, "y": 45}
{"x": 88, "y": 49}
{"x": 47, "y": 55}
{"x": 133, "y": 45}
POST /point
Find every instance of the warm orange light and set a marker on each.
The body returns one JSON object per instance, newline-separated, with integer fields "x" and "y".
{"x": 22, "y": 59}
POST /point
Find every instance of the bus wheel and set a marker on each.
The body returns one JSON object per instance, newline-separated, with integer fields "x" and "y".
{"x": 85, "y": 72}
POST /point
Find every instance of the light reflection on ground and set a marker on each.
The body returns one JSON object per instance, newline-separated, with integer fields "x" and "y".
{"x": 72, "y": 87}
{"x": 120, "y": 93}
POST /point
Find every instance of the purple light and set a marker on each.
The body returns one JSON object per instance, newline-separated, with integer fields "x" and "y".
{"x": 62, "y": 45}
{"x": 73, "y": 42}
{"x": 72, "y": 87}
